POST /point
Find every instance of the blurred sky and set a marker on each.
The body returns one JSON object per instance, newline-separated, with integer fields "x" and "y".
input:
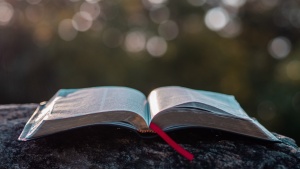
{"x": 247, "y": 48}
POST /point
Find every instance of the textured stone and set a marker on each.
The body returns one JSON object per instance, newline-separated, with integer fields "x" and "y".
{"x": 111, "y": 147}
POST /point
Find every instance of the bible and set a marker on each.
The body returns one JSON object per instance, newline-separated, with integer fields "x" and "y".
{"x": 169, "y": 108}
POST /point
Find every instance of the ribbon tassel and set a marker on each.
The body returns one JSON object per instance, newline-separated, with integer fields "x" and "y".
{"x": 171, "y": 142}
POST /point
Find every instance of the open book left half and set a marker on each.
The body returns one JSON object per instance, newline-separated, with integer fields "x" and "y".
{"x": 170, "y": 108}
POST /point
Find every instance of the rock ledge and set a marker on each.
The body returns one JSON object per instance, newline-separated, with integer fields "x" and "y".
{"x": 109, "y": 147}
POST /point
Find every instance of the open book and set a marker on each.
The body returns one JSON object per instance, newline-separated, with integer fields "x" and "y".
{"x": 169, "y": 108}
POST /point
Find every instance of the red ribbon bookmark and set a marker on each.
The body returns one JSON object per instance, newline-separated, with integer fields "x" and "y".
{"x": 171, "y": 142}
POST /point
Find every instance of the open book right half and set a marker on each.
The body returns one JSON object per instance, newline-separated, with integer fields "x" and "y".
{"x": 170, "y": 108}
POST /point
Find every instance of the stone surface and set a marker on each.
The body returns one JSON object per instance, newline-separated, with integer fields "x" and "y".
{"x": 110, "y": 147}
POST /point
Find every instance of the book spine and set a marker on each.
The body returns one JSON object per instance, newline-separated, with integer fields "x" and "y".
{"x": 146, "y": 131}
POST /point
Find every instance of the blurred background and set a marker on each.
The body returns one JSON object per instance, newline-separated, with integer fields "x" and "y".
{"x": 247, "y": 48}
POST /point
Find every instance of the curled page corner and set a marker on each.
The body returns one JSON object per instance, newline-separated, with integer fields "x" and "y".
{"x": 41, "y": 113}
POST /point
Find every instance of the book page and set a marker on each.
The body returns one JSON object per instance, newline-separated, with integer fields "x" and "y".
{"x": 79, "y": 102}
{"x": 168, "y": 97}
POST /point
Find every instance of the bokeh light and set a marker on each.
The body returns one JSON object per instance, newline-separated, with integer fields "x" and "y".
{"x": 92, "y": 1}
{"x": 82, "y": 21}
{"x": 279, "y": 47}
{"x": 234, "y": 3}
{"x": 168, "y": 30}
{"x": 249, "y": 47}
{"x": 151, "y": 4}
{"x": 93, "y": 9}
{"x": 216, "y": 18}
{"x": 135, "y": 41}
{"x": 157, "y": 2}
{"x": 97, "y": 25}
{"x": 159, "y": 14}
{"x": 66, "y": 30}
{"x": 231, "y": 30}
{"x": 156, "y": 46}
{"x": 6, "y": 13}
